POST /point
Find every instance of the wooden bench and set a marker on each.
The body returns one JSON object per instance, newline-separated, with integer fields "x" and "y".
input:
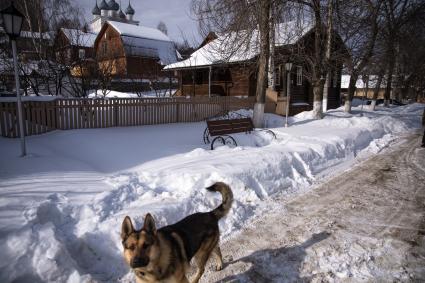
{"x": 222, "y": 129}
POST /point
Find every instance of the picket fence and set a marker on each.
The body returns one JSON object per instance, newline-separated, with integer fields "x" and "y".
{"x": 66, "y": 114}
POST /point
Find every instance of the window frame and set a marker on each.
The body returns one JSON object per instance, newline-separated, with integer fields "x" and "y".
{"x": 299, "y": 75}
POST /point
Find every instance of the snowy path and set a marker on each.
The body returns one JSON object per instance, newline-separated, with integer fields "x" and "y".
{"x": 366, "y": 224}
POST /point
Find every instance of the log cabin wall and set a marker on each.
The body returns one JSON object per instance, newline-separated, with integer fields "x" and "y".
{"x": 110, "y": 53}
{"x": 195, "y": 81}
{"x": 114, "y": 66}
{"x": 67, "y": 53}
{"x": 142, "y": 67}
{"x": 234, "y": 80}
{"x": 241, "y": 82}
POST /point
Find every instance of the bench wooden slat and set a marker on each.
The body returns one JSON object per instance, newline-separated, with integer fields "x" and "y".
{"x": 229, "y": 121}
{"x": 229, "y": 126}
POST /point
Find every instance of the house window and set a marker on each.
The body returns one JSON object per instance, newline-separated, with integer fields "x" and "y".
{"x": 299, "y": 75}
{"x": 68, "y": 54}
{"x": 81, "y": 53}
{"x": 277, "y": 76}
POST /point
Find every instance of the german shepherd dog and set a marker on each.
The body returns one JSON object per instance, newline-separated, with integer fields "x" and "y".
{"x": 164, "y": 255}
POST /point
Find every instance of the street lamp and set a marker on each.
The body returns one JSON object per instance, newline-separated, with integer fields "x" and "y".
{"x": 12, "y": 23}
{"x": 288, "y": 67}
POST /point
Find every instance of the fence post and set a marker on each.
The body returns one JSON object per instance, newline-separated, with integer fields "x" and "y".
{"x": 115, "y": 107}
{"x": 177, "y": 111}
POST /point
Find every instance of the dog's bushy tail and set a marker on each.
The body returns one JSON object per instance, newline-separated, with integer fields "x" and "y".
{"x": 226, "y": 194}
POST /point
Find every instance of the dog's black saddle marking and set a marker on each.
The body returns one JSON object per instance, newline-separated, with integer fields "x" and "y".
{"x": 193, "y": 230}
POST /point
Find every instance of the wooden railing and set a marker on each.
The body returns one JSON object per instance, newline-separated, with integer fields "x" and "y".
{"x": 66, "y": 114}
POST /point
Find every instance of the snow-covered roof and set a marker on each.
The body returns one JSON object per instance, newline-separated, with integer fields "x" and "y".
{"x": 146, "y": 42}
{"x": 165, "y": 51}
{"x": 345, "y": 81}
{"x": 221, "y": 50}
{"x": 139, "y": 31}
{"x": 79, "y": 38}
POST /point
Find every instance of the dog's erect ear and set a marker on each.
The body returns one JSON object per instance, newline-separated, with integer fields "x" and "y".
{"x": 126, "y": 228}
{"x": 149, "y": 225}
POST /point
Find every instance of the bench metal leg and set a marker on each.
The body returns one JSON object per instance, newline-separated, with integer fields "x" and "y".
{"x": 206, "y": 136}
{"x": 223, "y": 140}
{"x": 217, "y": 141}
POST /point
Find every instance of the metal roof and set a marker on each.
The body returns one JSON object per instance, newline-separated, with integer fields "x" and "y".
{"x": 113, "y": 5}
{"x": 103, "y": 5}
{"x": 96, "y": 10}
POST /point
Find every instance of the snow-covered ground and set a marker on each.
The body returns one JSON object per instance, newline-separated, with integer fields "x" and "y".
{"x": 61, "y": 207}
{"x": 160, "y": 93}
{"x": 146, "y": 94}
{"x": 363, "y": 225}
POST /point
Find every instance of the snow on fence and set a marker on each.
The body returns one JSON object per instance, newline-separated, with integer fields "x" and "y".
{"x": 66, "y": 114}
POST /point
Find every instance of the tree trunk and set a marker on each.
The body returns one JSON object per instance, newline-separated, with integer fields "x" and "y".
{"x": 326, "y": 92}
{"x": 264, "y": 29}
{"x": 376, "y": 92}
{"x": 319, "y": 62}
{"x": 271, "y": 67}
{"x": 318, "y": 97}
{"x": 351, "y": 90}
{"x": 387, "y": 94}
{"x": 328, "y": 55}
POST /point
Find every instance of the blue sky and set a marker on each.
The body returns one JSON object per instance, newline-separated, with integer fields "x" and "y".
{"x": 175, "y": 14}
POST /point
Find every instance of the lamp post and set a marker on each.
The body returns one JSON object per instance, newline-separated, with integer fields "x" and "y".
{"x": 288, "y": 67}
{"x": 12, "y": 23}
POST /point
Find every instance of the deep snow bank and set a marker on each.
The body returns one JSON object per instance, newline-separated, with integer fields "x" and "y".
{"x": 68, "y": 228}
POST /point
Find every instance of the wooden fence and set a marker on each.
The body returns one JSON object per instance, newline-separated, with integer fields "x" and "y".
{"x": 66, "y": 114}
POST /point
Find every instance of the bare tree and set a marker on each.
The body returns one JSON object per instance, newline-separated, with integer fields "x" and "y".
{"x": 185, "y": 47}
{"x": 104, "y": 75}
{"x": 317, "y": 62}
{"x": 39, "y": 69}
{"x": 397, "y": 14}
{"x": 358, "y": 24}
{"x": 409, "y": 67}
{"x": 377, "y": 88}
{"x": 243, "y": 26}
{"x": 264, "y": 22}
{"x": 329, "y": 34}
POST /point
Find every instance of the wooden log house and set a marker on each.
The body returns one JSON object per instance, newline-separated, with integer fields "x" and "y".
{"x": 216, "y": 70}
{"x": 131, "y": 51}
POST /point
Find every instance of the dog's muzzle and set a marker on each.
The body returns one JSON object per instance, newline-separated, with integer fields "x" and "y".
{"x": 139, "y": 262}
